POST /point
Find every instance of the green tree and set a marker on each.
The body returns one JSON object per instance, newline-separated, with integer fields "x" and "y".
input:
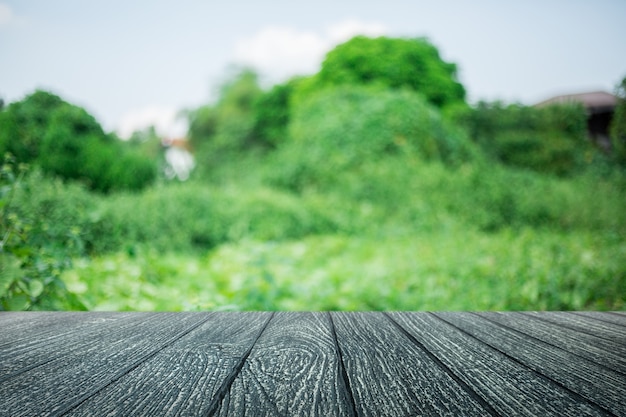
{"x": 23, "y": 125}
{"x": 66, "y": 141}
{"x": 272, "y": 113}
{"x": 69, "y": 132}
{"x": 396, "y": 63}
{"x": 228, "y": 127}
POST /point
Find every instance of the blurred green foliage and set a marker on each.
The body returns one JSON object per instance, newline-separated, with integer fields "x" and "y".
{"x": 618, "y": 125}
{"x": 228, "y": 127}
{"x": 456, "y": 268}
{"x": 370, "y": 185}
{"x": 551, "y": 139}
{"x": 39, "y": 238}
{"x": 66, "y": 141}
{"x": 391, "y": 63}
{"x": 338, "y": 130}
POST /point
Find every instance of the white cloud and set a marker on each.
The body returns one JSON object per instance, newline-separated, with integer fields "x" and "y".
{"x": 343, "y": 31}
{"x": 6, "y": 14}
{"x": 280, "y": 52}
{"x": 165, "y": 120}
{"x": 276, "y": 52}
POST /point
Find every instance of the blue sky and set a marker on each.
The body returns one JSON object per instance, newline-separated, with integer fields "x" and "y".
{"x": 132, "y": 63}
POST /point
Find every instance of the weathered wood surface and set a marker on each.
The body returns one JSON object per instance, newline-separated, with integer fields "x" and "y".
{"x": 318, "y": 364}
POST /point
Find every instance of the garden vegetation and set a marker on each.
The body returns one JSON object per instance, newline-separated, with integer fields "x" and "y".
{"x": 371, "y": 185}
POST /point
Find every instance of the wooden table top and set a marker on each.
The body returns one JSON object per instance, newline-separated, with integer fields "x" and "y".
{"x": 317, "y": 364}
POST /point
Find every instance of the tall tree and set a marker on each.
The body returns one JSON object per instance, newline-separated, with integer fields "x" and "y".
{"x": 396, "y": 63}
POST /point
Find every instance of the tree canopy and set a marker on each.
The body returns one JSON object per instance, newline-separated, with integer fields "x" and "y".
{"x": 396, "y": 63}
{"x": 66, "y": 141}
{"x": 229, "y": 124}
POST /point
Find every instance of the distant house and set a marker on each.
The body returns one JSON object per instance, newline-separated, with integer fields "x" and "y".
{"x": 600, "y": 107}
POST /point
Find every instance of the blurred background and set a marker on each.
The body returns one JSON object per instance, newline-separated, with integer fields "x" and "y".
{"x": 312, "y": 156}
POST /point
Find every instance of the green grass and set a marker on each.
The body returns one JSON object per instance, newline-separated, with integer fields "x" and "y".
{"x": 449, "y": 269}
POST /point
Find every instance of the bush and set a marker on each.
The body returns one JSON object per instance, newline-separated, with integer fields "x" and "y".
{"x": 192, "y": 216}
{"x": 551, "y": 140}
{"x": 492, "y": 197}
{"x": 338, "y": 130}
{"x": 40, "y": 223}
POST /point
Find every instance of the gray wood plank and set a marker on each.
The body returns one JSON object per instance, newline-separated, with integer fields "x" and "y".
{"x": 598, "y": 324}
{"x": 605, "y": 352}
{"x": 312, "y": 364}
{"x": 31, "y": 325}
{"x": 293, "y": 370}
{"x": 596, "y": 385}
{"x": 391, "y": 376}
{"x": 184, "y": 378}
{"x": 83, "y": 334}
{"x": 614, "y": 317}
{"x": 54, "y": 386}
{"x": 512, "y": 389}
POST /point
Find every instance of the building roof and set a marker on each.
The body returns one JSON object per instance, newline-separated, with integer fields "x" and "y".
{"x": 594, "y": 102}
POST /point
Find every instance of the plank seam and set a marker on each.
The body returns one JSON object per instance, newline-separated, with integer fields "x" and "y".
{"x": 576, "y": 395}
{"x": 230, "y": 378}
{"x": 26, "y": 369}
{"x": 477, "y": 397}
{"x": 46, "y": 361}
{"x": 81, "y": 399}
{"x": 346, "y": 388}
{"x": 569, "y": 327}
{"x": 601, "y": 320}
{"x": 529, "y": 336}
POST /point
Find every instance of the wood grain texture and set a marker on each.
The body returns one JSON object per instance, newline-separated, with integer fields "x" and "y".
{"x": 618, "y": 318}
{"x": 78, "y": 369}
{"x": 36, "y": 326}
{"x": 510, "y": 387}
{"x": 83, "y": 333}
{"x": 293, "y": 370}
{"x": 184, "y": 378}
{"x": 391, "y": 376}
{"x": 607, "y": 324}
{"x": 315, "y": 364}
{"x": 610, "y": 353}
{"x": 594, "y": 384}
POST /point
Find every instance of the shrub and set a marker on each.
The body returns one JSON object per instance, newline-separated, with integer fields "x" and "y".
{"x": 551, "y": 140}
{"x": 338, "y": 130}
{"x": 40, "y": 233}
{"x": 192, "y": 216}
